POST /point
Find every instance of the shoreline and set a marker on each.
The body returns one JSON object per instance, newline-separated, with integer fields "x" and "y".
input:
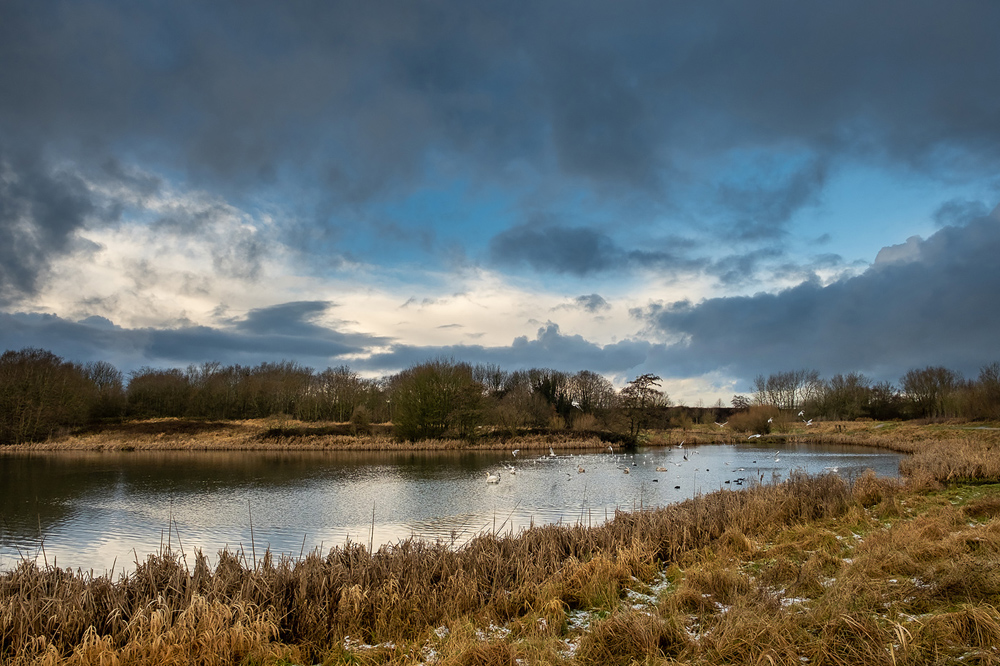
{"x": 289, "y": 435}
{"x": 810, "y": 570}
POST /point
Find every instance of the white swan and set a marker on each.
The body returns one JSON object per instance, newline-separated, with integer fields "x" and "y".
{"x": 492, "y": 478}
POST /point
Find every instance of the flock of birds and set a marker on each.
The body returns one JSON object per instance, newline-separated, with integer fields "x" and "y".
{"x": 625, "y": 468}
{"x": 620, "y": 461}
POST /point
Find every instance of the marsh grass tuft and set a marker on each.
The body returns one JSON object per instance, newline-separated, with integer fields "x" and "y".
{"x": 630, "y": 636}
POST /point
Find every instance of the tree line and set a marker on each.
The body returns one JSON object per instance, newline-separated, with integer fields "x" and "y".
{"x": 42, "y": 394}
{"x": 932, "y": 392}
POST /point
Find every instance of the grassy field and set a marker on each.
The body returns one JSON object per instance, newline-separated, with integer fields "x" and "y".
{"x": 813, "y": 570}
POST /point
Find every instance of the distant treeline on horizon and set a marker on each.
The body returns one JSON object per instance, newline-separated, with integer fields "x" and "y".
{"x": 42, "y": 395}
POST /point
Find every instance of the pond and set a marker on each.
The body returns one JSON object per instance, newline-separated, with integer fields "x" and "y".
{"x": 101, "y": 511}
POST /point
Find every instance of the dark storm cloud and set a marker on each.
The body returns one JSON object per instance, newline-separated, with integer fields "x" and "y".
{"x": 286, "y": 319}
{"x": 736, "y": 268}
{"x": 761, "y": 210}
{"x": 266, "y": 334}
{"x": 934, "y": 303}
{"x": 40, "y": 209}
{"x": 957, "y": 212}
{"x": 92, "y": 339}
{"x": 598, "y": 118}
{"x": 549, "y": 349}
{"x": 204, "y": 344}
{"x": 362, "y": 94}
{"x": 293, "y": 325}
{"x": 555, "y": 249}
{"x": 575, "y": 250}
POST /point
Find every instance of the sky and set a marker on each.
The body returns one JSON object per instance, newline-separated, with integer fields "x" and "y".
{"x": 705, "y": 191}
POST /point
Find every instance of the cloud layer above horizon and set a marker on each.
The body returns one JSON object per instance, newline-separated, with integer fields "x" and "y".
{"x": 706, "y": 192}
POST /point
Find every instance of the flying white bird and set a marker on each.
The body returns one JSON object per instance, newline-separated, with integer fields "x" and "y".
{"x": 757, "y": 436}
{"x": 515, "y": 452}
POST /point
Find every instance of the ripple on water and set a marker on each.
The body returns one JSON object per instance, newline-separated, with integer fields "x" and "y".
{"x": 95, "y": 510}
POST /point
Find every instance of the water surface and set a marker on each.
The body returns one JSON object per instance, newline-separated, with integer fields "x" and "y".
{"x": 96, "y": 510}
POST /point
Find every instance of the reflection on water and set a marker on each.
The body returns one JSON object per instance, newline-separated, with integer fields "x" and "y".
{"x": 93, "y": 510}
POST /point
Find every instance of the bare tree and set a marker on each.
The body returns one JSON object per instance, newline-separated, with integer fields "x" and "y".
{"x": 638, "y": 398}
{"x": 434, "y": 398}
{"x": 787, "y": 390}
{"x": 988, "y": 391}
{"x": 340, "y": 392}
{"x": 40, "y": 393}
{"x": 492, "y": 377}
{"x": 928, "y": 390}
{"x": 846, "y": 396}
{"x": 590, "y": 391}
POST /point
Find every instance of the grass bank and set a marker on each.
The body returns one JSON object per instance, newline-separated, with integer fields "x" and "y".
{"x": 903, "y": 436}
{"x": 276, "y": 434}
{"x": 287, "y": 434}
{"x": 813, "y": 570}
